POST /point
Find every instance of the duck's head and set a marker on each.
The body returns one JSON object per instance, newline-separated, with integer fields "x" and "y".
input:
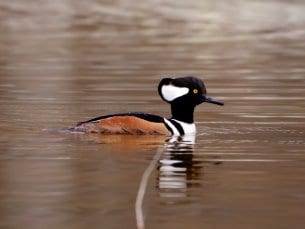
{"x": 186, "y": 91}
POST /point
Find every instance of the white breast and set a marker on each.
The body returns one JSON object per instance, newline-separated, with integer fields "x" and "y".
{"x": 188, "y": 128}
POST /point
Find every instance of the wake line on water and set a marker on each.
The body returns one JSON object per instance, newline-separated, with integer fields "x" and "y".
{"x": 142, "y": 189}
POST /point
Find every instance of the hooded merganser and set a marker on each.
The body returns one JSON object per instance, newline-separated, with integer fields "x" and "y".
{"x": 183, "y": 94}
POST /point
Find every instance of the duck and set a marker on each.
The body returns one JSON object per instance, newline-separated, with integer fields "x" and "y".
{"x": 183, "y": 94}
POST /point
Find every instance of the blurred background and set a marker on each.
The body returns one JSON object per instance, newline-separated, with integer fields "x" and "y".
{"x": 66, "y": 61}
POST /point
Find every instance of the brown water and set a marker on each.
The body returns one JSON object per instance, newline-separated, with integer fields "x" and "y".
{"x": 66, "y": 61}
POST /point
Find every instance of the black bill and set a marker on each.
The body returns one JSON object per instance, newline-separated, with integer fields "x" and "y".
{"x": 211, "y": 100}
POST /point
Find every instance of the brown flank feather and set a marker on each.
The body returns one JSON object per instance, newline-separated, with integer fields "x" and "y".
{"x": 124, "y": 125}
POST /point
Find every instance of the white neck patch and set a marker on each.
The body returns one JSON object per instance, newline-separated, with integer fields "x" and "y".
{"x": 170, "y": 92}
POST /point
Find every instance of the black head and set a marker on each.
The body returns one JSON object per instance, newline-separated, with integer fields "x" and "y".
{"x": 187, "y": 90}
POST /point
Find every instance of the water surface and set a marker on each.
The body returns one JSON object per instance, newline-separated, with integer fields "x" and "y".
{"x": 65, "y": 62}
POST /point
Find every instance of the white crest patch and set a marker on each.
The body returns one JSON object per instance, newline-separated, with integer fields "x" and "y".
{"x": 171, "y": 92}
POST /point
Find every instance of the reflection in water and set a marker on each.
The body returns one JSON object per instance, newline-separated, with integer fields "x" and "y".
{"x": 173, "y": 171}
{"x": 176, "y": 166}
{"x": 177, "y": 169}
{"x": 122, "y": 143}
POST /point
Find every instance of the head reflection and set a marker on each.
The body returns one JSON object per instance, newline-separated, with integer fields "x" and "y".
{"x": 177, "y": 168}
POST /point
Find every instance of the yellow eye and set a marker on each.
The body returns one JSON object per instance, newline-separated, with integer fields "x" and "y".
{"x": 195, "y": 91}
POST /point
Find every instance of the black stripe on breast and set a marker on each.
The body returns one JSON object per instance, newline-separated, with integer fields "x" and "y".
{"x": 178, "y": 126}
{"x": 145, "y": 116}
{"x": 169, "y": 128}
